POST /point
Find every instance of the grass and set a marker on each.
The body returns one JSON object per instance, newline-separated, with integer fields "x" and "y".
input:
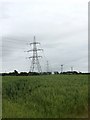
{"x": 50, "y": 96}
{"x": 0, "y": 97}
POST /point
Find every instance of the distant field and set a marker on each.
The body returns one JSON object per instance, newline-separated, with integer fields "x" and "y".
{"x": 50, "y": 96}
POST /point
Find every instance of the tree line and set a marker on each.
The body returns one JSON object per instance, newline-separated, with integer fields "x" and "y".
{"x": 16, "y": 73}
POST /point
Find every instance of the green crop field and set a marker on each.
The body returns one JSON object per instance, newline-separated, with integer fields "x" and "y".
{"x": 50, "y": 96}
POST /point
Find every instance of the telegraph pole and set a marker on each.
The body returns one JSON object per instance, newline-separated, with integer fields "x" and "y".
{"x": 35, "y": 57}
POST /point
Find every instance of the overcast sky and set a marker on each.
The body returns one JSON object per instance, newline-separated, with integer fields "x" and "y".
{"x": 61, "y": 26}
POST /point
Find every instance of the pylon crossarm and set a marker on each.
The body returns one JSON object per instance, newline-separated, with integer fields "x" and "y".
{"x": 34, "y": 43}
{"x": 40, "y": 49}
{"x": 35, "y": 57}
{"x": 35, "y": 50}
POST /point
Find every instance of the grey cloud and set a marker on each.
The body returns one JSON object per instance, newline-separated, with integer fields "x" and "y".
{"x": 61, "y": 31}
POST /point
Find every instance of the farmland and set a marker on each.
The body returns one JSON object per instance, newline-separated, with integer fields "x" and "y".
{"x": 50, "y": 96}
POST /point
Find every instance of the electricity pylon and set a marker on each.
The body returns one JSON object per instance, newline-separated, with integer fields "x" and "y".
{"x": 47, "y": 67}
{"x": 34, "y": 57}
{"x": 61, "y": 68}
{"x": 71, "y": 69}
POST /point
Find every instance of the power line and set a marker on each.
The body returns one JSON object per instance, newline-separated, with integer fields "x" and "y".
{"x": 11, "y": 39}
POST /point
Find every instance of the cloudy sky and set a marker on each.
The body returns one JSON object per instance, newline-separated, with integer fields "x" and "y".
{"x": 61, "y": 26}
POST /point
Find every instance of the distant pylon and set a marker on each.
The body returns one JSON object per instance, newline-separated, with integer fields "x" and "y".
{"x": 34, "y": 57}
{"x": 61, "y": 68}
{"x": 71, "y": 69}
{"x": 47, "y": 66}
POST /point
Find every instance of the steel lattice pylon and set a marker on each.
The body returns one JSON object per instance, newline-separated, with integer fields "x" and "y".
{"x": 34, "y": 57}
